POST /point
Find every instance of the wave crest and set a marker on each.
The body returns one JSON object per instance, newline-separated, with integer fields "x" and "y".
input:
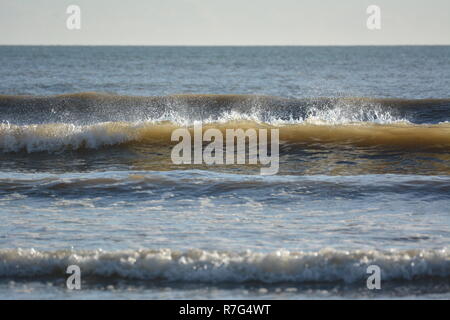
{"x": 88, "y": 108}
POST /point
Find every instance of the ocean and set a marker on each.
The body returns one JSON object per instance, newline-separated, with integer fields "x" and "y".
{"x": 87, "y": 176}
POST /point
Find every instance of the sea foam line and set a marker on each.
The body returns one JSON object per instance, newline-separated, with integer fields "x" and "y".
{"x": 327, "y": 265}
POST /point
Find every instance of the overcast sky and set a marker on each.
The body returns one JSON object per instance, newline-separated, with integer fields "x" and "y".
{"x": 225, "y": 22}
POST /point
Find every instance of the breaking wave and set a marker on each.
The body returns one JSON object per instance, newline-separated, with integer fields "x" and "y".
{"x": 61, "y": 136}
{"x": 94, "y": 120}
{"x": 327, "y": 265}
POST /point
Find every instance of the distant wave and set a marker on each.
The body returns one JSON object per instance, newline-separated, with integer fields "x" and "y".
{"x": 89, "y": 108}
{"x": 327, "y": 265}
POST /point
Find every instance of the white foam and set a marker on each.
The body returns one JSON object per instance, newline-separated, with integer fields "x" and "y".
{"x": 340, "y": 113}
{"x": 327, "y": 265}
{"x": 54, "y": 137}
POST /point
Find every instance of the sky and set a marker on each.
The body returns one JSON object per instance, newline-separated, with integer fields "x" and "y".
{"x": 225, "y": 22}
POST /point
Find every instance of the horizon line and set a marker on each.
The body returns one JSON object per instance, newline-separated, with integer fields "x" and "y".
{"x": 225, "y": 45}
